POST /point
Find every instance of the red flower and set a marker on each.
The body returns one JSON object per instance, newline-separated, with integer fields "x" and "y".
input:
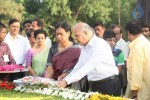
{"x": 7, "y": 85}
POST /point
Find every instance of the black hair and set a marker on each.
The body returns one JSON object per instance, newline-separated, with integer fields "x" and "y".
{"x": 2, "y": 26}
{"x": 112, "y": 26}
{"x": 145, "y": 25}
{"x": 100, "y": 23}
{"x": 133, "y": 27}
{"x": 66, "y": 27}
{"x": 27, "y": 21}
{"x": 109, "y": 34}
{"x": 40, "y": 31}
{"x": 39, "y": 23}
{"x": 11, "y": 21}
{"x": 29, "y": 33}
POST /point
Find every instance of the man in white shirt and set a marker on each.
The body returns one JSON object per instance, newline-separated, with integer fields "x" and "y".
{"x": 122, "y": 45}
{"x": 38, "y": 24}
{"x": 96, "y": 61}
{"x": 17, "y": 43}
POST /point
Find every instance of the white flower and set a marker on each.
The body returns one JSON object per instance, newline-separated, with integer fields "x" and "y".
{"x": 55, "y": 93}
{"x": 18, "y": 88}
{"x": 23, "y": 89}
{"x": 29, "y": 90}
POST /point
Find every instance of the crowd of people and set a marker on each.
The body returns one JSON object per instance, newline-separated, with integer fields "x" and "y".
{"x": 93, "y": 58}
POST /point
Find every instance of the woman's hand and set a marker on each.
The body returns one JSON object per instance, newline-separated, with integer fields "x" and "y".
{"x": 49, "y": 72}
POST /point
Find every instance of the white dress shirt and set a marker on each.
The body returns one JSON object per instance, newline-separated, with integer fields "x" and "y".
{"x": 18, "y": 46}
{"x": 96, "y": 61}
{"x": 48, "y": 42}
{"x": 123, "y": 45}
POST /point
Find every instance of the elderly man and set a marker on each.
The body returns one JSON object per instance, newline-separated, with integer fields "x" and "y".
{"x": 138, "y": 63}
{"x": 96, "y": 61}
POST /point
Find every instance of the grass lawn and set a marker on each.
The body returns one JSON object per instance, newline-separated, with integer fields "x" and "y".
{"x": 14, "y": 95}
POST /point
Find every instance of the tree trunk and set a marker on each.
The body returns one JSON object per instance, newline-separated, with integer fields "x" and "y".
{"x": 146, "y": 8}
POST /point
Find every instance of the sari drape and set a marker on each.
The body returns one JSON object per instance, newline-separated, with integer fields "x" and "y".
{"x": 39, "y": 61}
{"x": 65, "y": 60}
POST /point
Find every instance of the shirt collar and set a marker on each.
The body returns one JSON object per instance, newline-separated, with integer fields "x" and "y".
{"x": 17, "y": 37}
{"x": 119, "y": 41}
{"x": 92, "y": 40}
{"x": 134, "y": 42}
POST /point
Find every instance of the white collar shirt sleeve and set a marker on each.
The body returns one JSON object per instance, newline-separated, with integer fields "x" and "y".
{"x": 96, "y": 61}
{"x": 19, "y": 47}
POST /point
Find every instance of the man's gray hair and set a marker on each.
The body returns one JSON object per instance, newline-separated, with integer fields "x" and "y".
{"x": 84, "y": 28}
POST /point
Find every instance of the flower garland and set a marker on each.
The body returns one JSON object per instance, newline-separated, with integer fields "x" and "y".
{"x": 66, "y": 93}
{"x": 53, "y": 91}
{"x": 7, "y": 85}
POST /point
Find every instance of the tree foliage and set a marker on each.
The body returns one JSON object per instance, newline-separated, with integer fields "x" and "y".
{"x": 53, "y": 11}
{"x": 10, "y": 9}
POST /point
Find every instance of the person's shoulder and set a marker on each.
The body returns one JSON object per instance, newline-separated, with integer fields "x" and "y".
{"x": 32, "y": 50}
{"x": 54, "y": 45}
{"x": 48, "y": 39}
{"x": 22, "y": 37}
{"x": 117, "y": 51}
{"x": 4, "y": 44}
{"x": 123, "y": 41}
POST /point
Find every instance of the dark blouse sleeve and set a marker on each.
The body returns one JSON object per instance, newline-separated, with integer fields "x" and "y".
{"x": 53, "y": 50}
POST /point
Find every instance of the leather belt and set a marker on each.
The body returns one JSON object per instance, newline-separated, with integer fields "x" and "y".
{"x": 104, "y": 80}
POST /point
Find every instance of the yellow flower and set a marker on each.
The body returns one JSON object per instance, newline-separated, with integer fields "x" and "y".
{"x": 98, "y": 96}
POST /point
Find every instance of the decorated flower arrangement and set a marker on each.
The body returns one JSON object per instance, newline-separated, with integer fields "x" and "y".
{"x": 7, "y": 85}
{"x": 37, "y": 80}
{"x": 48, "y": 87}
{"x": 53, "y": 91}
{"x": 11, "y": 67}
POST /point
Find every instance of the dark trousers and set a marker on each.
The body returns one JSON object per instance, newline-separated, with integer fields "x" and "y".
{"x": 82, "y": 85}
{"x": 111, "y": 87}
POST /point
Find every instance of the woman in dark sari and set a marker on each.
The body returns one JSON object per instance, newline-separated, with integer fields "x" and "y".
{"x": 63, "y": 56}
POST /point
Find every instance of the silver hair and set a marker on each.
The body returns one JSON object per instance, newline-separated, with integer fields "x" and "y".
{"x": 85, "y": 28}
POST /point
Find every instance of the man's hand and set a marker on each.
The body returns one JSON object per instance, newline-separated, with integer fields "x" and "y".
{"x": 62, "y": 84}
{"x": 134, "y": 94}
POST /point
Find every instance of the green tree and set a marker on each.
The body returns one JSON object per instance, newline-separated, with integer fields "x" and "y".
{"x": 89, "y": 11}
{"x": 10, "y": 9}
{"x": 126, "y": 8}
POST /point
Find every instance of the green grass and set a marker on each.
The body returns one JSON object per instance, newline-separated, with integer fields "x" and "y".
{"x": 14, "y": 95}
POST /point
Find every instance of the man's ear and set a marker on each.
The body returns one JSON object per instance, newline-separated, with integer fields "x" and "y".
{"x": 85, "y": 33}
